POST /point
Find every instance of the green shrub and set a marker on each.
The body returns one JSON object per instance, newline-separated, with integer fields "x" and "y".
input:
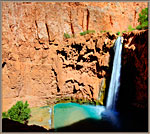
{"x": 4, "y": 115}
{"x": 87, "y": 32}
{"x": 79, "y": 101}
{"x": 124, "y": 31}
{"x": 66, "y": 35}
{"x": 18, "y": 112}
{"x": 73, "y": 100}
{"x": 143, "y": 19}
{"x": 90, "y": 31}
{"x": 92, "y": 103}
{"x": 83, "y": 33}
{"x": 130, "y": 28}
{"x": 103, "y": 31}
{"x": 97, "y": 103}
{"x": 118, "y": 33}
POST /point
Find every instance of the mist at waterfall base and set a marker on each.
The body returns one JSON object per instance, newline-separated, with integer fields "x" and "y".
{"x": 76, "y": 117}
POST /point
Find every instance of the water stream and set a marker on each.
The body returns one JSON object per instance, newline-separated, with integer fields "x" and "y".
{"x": 115, "y": 77}
{"x": 50, "y": 120}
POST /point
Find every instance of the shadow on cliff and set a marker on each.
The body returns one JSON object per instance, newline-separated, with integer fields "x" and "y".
{"x": 108, "y": 73}
{"x": 134, "y": 86}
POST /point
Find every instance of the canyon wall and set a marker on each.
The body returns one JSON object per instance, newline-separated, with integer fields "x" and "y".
{"x": 75, "y": 68}
{"x": 45, "y": 22}
{"x": 39, "y": 65}
{"x": 134, "y": 75}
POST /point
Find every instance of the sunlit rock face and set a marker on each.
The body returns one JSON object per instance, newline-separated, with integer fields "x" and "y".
{"x": 39, "y": 65}
{"x": 43, "y": 22}
{"x": 74, "y": 68}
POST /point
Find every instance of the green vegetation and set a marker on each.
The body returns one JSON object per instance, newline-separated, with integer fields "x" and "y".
{"x": 66, "y": 35}
{"x": 118, "y": 33}
{"x": 87, "y": 32}
{"x": 79, "y": 101}
{"x": 102, "y": 91}
{"x": 130, "y": 28}
{"x": 18, "y": 112}
{"x": 4, "y": 115}
{"x": 103, "y": 31}
{"x": 124, "y": 31}
{"x": 143, "y": 19}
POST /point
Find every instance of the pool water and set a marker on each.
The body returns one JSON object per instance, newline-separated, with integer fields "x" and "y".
{"x": 66, "y": 114}
{"x": 73, "y": 117}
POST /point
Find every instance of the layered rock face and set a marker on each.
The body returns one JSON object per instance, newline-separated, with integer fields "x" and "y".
{"x": 44, "y": 22}
{"x": 38, "y": 65}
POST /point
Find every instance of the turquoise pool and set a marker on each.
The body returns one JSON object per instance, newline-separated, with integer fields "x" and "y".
{"x": 66, "y": 114}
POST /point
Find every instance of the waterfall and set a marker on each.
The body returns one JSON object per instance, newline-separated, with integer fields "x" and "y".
{"x": 115, "y": 77}
{"x": 101, "y": 93}
{"x": 50, "y": 121}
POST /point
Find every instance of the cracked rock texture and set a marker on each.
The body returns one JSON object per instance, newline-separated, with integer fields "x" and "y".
{"x": 74, "y": 68}
{"x": 38, "y": 65}
{"x": 43, "y": 22}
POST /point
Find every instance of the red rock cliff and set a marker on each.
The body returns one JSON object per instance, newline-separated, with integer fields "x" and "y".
{"x": 43, "y": 22}
{"x": 39, "y": 66}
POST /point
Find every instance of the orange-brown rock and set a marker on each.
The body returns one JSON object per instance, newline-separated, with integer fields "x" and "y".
{"x": 44, "y": 22}
{"x": 42, "y": 75}
{"x": 39, "y": 66}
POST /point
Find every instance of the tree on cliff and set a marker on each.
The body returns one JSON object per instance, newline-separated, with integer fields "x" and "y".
{"x": 143, "y": 19}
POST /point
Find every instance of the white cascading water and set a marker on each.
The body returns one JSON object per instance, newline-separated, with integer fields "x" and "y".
{"x": 50, "y": 121}
{"x": 115, "y": 77}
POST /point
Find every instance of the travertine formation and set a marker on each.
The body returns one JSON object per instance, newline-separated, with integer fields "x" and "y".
{"x": 75, "y": 68}
{"x": 39, "y": 65}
